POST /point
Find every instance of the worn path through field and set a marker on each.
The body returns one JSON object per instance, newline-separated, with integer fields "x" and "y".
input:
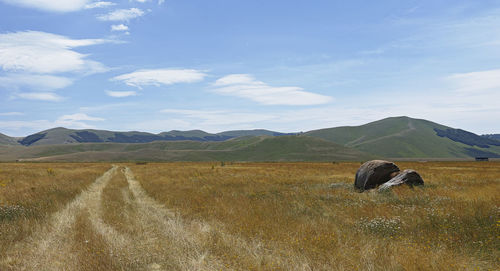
{"x": 145, "y": 235}
{"x": 49, "y": 248}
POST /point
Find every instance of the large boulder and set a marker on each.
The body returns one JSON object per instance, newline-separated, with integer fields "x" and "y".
{"x": 408, "y": 176}
{"x": 374, "y": 173}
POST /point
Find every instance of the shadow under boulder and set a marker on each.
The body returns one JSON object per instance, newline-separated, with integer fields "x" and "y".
{"x": 384, "y": 174}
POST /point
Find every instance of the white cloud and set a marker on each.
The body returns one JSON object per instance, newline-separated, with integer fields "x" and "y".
{"x": 208, "y": 118}
{"x": 45, "y": 53}
{"x": 119, "y": 27}
{"x": 34, "y": 81}
{"x": 476, "y": 81}
{"x": 121, "y": 15}
{"x": 121, "y": 94}
{"x": 32, "y": 60}
{"x": 245, "y": 86}
{"x": 11, "y": 114}
{"x": 100, "y": 4}
{"x": 74, "y": 121}
{"x": 78, "y": 117}
{"x": 160, "y": 77}
{"x": 160, "y": 2}
{"x": 42, "y": 96}
{"x": 51, "y": 5}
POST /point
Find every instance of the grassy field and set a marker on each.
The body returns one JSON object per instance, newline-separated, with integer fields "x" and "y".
{"x": 246, "y": 216}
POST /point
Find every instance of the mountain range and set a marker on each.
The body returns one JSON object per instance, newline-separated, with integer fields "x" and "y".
{"x": 395, "y": 138}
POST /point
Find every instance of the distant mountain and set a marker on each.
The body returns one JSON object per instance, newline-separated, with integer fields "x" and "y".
{"x": 261, "y": 148}
{"x": 404, "y": 137}
{"x": 257, "y": 132}
{"x": 70, "y": 136}
{"x": 397, "y": 137}
{"x": 7, "y": 140}
{"x": 492, "y": 136}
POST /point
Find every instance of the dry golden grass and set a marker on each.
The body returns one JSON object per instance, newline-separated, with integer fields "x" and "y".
{"x": 311, "y": 210}
{"x": 30, "y": 192}
{"x": 247, "y": 216}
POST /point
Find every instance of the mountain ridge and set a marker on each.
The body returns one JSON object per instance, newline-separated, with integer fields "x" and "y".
{"x": 394, "y": 137}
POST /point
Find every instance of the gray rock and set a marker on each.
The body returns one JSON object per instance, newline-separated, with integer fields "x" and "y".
{"x": 374, "y": 173}
{"x": 408, "y": 176}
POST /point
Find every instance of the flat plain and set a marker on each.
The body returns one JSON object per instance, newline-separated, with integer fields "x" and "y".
{"x": 246, "y": 216}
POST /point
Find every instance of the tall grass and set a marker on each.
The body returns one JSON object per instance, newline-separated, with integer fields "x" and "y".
{"x": 30, "y": 192}
{"x": 310, "y": 209}
{"x": 257, "y": 216}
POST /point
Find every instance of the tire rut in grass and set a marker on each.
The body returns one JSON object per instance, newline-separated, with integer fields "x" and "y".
{"x": 50, "y": 247}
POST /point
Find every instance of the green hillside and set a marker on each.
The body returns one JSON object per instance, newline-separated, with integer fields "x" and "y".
{"x": 69, "y": 136}
{"x": 256, "y": 132}
{"x": 7, "y": 140}
{"x": 283, "y": 148}
{"x": 404, "y": 137}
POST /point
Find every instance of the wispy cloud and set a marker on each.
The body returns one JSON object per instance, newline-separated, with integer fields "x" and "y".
{"x": 246, "y": 86}
{"x": 159, "y": 77}
{"x": 74, "y": 121}
{"x": 220, "y": 117}
{"x": 42, "y": 96}
{"x": 122, "y": 15}
{"x": 476, "y": 81}
{"x": 7, "y": 114}
{"x": 51, "y": 5}
{"x": 100, "y": 4}
{"x": 34, "y": 81}
{"x": 46, "y": 53}
{"x": 33, "y": 60}
{"x": 120, "y": 94}
{"x": 79, "y": 117}
{"x": 119, "y": 27}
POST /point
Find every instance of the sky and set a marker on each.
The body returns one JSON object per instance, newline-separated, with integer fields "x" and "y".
{"x": 288, "y": 66}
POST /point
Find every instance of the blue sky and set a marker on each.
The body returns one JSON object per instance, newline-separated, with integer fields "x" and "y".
{"x": 220, "y": 65}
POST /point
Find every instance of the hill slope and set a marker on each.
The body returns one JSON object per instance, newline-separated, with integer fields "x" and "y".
{"x": 493, "y": 136}
{"x": 256, "y": 132}
{"x": 404, "y": 137}
{"x": 283, "y": 148}
{"x": 70, "y": 136}
{"x": 7, "y": 140}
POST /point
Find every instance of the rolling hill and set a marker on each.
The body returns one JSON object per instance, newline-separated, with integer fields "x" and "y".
{"x": 404, "y": 137}
{"x": 69, "y": 136}
{"x": 397, "y": 137}
{"x": 7, "y": 140}
{"x": 262, "y": 148}
{"x": 492, "y": 136}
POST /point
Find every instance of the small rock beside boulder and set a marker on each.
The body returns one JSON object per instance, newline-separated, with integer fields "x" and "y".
{"x": 384, "y": 174}
{"x": 408, "y": 176}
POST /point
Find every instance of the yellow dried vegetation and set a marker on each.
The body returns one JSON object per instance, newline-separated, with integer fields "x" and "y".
{"x": 311, "y": 212}
{"x": 247, "y": 216}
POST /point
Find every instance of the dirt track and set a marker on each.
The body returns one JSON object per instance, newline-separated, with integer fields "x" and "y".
{"x": 147, "y": 236}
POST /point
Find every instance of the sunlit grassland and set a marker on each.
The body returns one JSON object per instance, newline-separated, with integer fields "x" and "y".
{"x": 31, "y": 192}
{"x": 261, "y": 216}
{"x": 311, "y": 210}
